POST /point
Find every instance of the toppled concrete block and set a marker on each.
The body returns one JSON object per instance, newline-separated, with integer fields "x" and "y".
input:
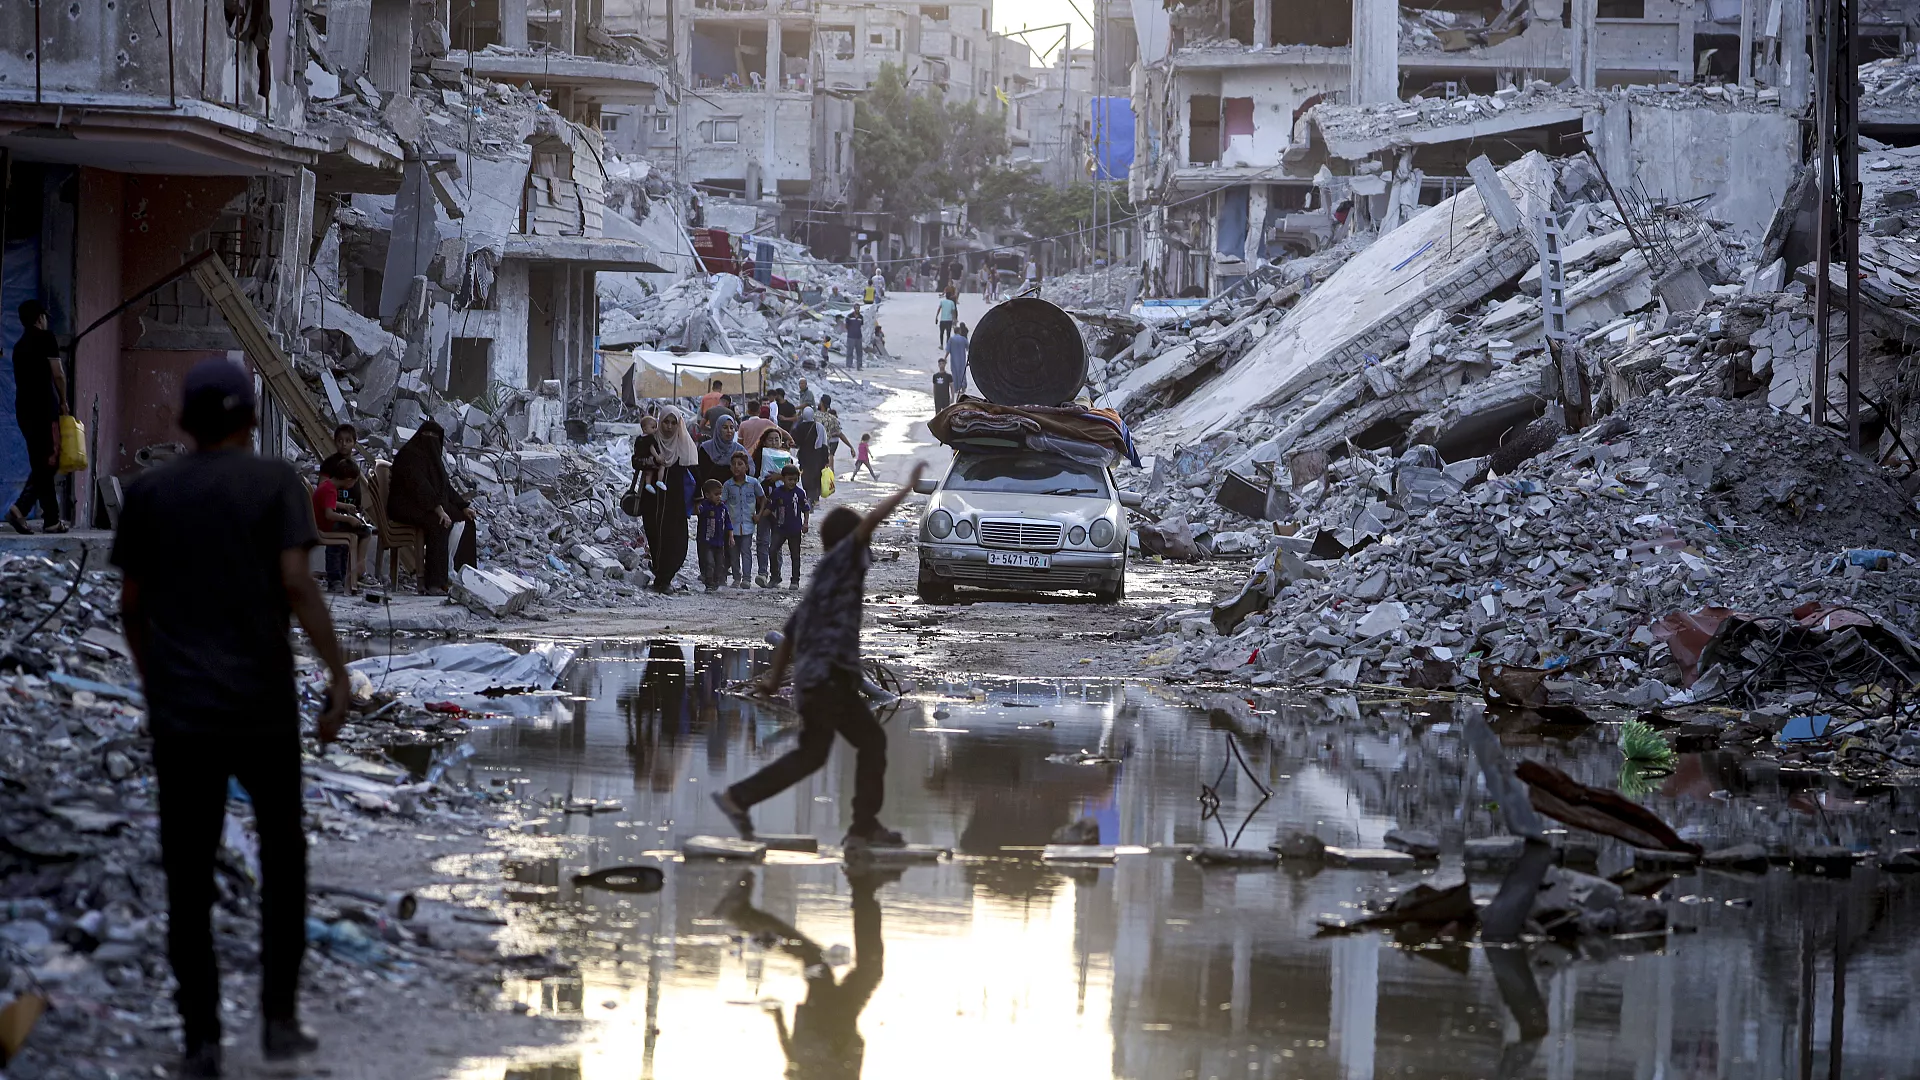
{"x": 1382, "y": 619}
{"x": 494, "y": 592}
{"x": 1415, "y": 842}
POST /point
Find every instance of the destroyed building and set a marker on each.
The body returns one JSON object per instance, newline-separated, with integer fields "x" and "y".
{"x": 1271, "y": 129}
{"x": 129, "y": 144}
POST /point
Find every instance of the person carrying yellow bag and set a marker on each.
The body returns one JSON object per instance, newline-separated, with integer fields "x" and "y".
{"x": 40, "y": 406}
{"x": 73, "y": 445}
{"x": 826, "y": 482}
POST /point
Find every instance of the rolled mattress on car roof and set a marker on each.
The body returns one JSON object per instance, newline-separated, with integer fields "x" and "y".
{"x": 1027, "y": 357}
{"x": 1027, "y": 352}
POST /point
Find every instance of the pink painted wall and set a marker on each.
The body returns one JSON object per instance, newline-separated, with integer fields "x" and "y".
{"x": 161, "y": 217}
{"x": 97, "y": 382}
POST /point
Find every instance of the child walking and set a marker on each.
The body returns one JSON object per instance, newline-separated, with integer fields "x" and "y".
{"x": 716, "y": 532}
{"x": 791, "y": 510}
{"x": 864, "y": 456}
{"x": 822, "y": 644}
{"x": 744, "y": 497}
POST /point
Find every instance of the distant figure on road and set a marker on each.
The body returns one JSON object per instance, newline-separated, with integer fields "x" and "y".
{"x": 213, "y": 549}
{"x": 810, "y": 447}
{"x": 822, "y": 643}
{"x": 948, "y": 312}
{"x": 957, "y": 354}
{"x": 879, "y": 284}
{"x": 856, "y": 335}
{"x": 864, "y": 456}
{"x": 942, "y": 386}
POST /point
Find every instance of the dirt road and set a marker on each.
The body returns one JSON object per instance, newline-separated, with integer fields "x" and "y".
{"x": 1010, "y": 633}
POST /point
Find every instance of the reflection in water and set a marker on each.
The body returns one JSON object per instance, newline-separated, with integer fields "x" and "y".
{"x": 1156, "y": 967}
{"x": 825, "y": 1039}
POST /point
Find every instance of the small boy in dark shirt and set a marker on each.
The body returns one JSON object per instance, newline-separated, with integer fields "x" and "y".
{"x": 716, "y": 528}
{"x": 942, "y": 387}
{"x": 790, "y": 512}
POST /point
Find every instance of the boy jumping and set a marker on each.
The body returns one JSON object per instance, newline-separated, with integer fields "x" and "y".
{"x": 822, "y": 642}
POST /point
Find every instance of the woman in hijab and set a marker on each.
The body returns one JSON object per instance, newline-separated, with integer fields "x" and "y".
{"x": 663, "y": 514}
{"x": 716, "y": 454}
{"x": 422, "y": 495}
{"x": 810, "y": 446}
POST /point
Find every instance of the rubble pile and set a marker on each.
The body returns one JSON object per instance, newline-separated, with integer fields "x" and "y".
{"x": 1340, "y": 123}
{"x": 1110, "y": 287}
{"x": 82, "y": 926}
{"x": 1393, "y": 565}
{"x": 1891, "y": 82}
{"x": 552, "y": 518}
{"x": 1144, "y": 359}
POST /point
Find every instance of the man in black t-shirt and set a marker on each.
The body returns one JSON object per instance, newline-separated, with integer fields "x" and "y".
{"x": 213, "y": 553}
{"x": 942, "y": 387}
{"x": 39, "y": 400}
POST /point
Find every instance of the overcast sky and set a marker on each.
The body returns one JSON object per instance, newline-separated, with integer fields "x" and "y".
{"x": 1015, "y": 14}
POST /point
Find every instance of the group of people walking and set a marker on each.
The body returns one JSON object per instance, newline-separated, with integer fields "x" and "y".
{"x": 751, "y": 486}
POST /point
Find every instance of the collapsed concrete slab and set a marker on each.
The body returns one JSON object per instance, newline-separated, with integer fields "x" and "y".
{"x": 1449, "y": 257}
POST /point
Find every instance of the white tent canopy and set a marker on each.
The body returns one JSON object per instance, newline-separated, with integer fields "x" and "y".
{"x": 671, "y": 375}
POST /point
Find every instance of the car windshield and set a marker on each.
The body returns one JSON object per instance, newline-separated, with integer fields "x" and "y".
{"x": 1026, "y": 474}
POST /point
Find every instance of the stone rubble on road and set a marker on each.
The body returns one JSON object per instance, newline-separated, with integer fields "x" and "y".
{"x": 82, "y": 894}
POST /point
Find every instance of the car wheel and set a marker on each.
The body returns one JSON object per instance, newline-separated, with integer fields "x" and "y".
{"x": 1115, "y": 594}
{"x": 934, "y": 591}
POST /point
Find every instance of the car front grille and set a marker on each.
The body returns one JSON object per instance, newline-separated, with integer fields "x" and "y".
{"x": 1009, "y": 577}
{"x": 1027, "y": 535}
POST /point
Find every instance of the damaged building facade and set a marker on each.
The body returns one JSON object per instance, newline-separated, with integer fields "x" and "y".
{"x": 413, "y": 228}
{"x": 128, "y": 145}
{"x": 1270, "y": 130}
{"x": 763, "y": 124}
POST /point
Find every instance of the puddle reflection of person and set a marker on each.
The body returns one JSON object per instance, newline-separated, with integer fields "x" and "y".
{"x": 825, "y": 1040}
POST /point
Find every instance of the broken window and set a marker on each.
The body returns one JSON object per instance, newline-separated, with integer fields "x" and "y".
{"x": 796, "y": 60}
{"x": 467, "y": 373}
{"x": 837, "y": 42}
{"x": 1716, "y": 56}
{"x": 662, "y": 124}
{"x": 1203, "y": 129}
{"x": 729, "y": 57}
{"x": 937, "y": 14}
{"x": 1240, "y": 21}
{"x": 724, "y": 131}
{"x": 550, "y": 201}
{"x": 609, "y": 123}
{"x": 1622, "y": 9}
{"x": 1236, "y": 114}
{"x": 1326, "y": 23}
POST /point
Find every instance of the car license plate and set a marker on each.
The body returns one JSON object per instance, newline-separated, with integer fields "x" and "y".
{"x": 1010, "y": 558}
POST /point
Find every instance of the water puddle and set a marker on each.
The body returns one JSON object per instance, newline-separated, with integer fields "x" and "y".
{"x": 994, "y": 963}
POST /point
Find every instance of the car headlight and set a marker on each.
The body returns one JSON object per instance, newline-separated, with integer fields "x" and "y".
{"x": 1102, "y": 533}
{"x": 964, "y": 530}
{"x": 940, "y": 523}
{"x": 1078, "y": 536}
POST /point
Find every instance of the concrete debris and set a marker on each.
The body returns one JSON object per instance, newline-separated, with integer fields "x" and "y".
{"x": 1564, "y": 564}
{"x": 84, "y": 919}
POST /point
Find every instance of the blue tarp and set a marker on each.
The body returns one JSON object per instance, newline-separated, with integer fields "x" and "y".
{"x": 21, "y": 282}
{"x": 1112, "y": 137}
